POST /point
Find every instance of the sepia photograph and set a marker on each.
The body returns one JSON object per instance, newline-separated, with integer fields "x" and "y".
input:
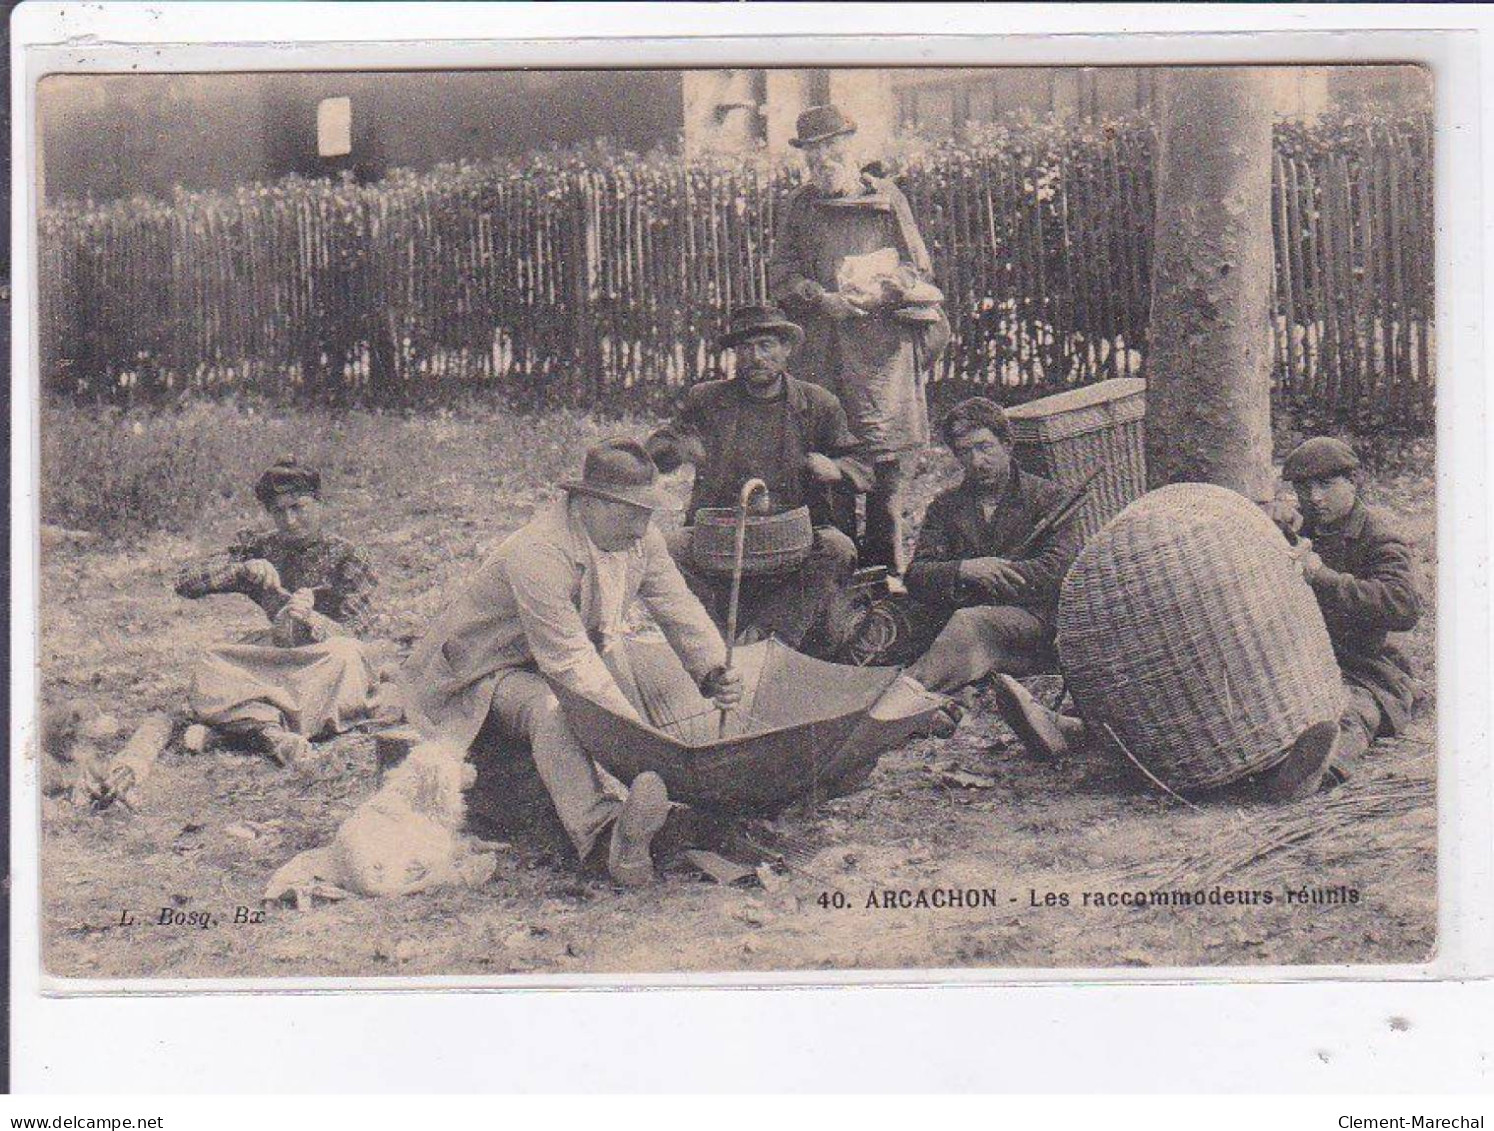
{"x": 550, "y": 525}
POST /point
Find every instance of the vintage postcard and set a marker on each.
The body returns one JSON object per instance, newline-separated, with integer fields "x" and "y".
{"x": 558, "y": 524}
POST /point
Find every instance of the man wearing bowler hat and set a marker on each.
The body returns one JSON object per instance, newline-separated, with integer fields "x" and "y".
{"x": 550, "y": 604}
{"x": 764, "y": 424}
{"x": 850, "y": 266}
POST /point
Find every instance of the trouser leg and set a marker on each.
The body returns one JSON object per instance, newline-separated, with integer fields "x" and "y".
{"x": 706, "y": 586}
{"x": 1357, "y": 728}
{"x": 788, "y": 605}
{"x": 528, "y": 711}
{"x": 978, "y": 641}
{"x": 883, "y": 543}
{"x": 841, "y": 501}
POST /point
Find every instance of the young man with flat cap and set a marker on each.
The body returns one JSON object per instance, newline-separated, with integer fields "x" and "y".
{"x": 307, "y": 674}
{"x": 1363, "y": 572}
{"x": 550, "y": 604}
{"x": 870, "y": 340}
{"x": 764, "y": 424}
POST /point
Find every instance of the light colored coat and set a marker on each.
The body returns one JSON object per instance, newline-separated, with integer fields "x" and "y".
{"x": 877, "y": 366}
{"x": 534, "y": 605}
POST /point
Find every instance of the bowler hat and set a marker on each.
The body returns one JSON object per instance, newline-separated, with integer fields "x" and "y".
{"x": 747, "y": 321}
{"x": 620, "y": 471}
{"x": 820, "y": 123}
{"x": 1319, "y": 458}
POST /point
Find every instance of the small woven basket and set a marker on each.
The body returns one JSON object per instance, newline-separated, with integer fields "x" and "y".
{"x": 774, "y": 542}
{"x": 1065, "y": 436}
{"x": 1185, "y": 628}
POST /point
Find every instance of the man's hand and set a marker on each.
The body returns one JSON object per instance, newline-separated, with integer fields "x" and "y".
{"x": 1306, "y": 560}
{"x": 724, "y": 687}
{"x": 300, "y": 606}
{"x": 1284, "y": 513}
{"x": 838, "y": 308}
{"x": 261, "y": 574}
{"x": 893, "y": 292}
{"x": 997, "y": 577}
{"x": 821, "y": 468}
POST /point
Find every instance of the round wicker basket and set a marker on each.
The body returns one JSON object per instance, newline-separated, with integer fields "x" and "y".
{"x": 1187, "y": 634}
{"x": 774, "y": 541}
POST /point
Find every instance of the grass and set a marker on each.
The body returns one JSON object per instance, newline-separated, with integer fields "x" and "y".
{"x": 125, "y": 475}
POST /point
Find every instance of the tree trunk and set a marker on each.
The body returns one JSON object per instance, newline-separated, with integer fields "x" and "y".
{"x": 1209, "y": 363}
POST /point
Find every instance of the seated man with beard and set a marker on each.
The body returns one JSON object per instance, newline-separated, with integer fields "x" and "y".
{"x": 764, "y": 424}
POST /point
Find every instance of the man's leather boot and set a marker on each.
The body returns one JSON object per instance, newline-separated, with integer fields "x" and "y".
{"x": 643, "y": 815}
{"x": 1045, "y": 733}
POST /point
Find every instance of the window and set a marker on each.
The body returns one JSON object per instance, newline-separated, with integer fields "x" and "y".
{"x": 334, "y": 127}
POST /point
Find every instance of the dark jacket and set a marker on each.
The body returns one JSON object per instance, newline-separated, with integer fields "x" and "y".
{"x": 954, "y": 529}
{"x": 709, "y": 424}
{"x": 1366, "y": 591}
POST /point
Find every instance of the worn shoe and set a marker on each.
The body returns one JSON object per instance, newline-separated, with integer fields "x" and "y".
{"x": 1301, "y": 773}
{"x": 1042, "y": 731}
{"x": 946, "y": 720}
{"x": 196, "y": 738}
{"x": 285, "y": 747}
{"x": 643, "y": 814}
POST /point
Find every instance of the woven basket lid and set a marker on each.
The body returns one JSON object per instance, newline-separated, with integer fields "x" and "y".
{"x": 1060, "y": 416}
{"x": 1186, "y": 629}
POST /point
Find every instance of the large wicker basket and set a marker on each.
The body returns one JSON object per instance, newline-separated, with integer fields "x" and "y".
{"x": 1067, "y": 435}
{"x": 775, "y": 542}
{"x": 1186, "y": 632}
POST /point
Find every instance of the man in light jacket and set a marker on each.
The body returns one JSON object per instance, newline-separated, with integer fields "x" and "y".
{"x": 550, "y": 604}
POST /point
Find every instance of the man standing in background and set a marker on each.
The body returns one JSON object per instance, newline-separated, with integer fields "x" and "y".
{"x": 851, "y": 267}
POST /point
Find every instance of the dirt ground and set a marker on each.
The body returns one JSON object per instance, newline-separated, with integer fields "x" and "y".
{"x": 1350, "y": 881}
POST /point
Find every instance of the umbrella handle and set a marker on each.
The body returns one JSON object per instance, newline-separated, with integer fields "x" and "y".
{"x": 749, "y": 489}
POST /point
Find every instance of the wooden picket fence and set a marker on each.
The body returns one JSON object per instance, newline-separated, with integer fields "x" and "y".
{"x": 1353, "y": 330}
{"x": 606, "y": 285}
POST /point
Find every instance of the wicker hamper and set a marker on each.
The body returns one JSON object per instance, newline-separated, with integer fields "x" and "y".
{"x": 1063, "y": 437}
{"x": 774, "y": 541}
{"x": 1185, "y": 628}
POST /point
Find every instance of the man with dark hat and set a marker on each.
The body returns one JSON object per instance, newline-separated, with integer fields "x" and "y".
{"x": 307, "y": 674}
{"x": 1363, "y": 573}
{"x": 851, "y": 267}
{"x": 764, "y": 424}
{"x": 985, "y": 575}
{"x": 550, "y": 605}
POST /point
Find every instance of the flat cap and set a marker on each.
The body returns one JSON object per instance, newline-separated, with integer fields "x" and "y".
{"x": 287, "y": 477}
{"x": 1319, "y": 457}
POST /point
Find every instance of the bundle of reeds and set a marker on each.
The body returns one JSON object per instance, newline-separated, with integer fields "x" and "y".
{"x": 1389, "y": 809}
